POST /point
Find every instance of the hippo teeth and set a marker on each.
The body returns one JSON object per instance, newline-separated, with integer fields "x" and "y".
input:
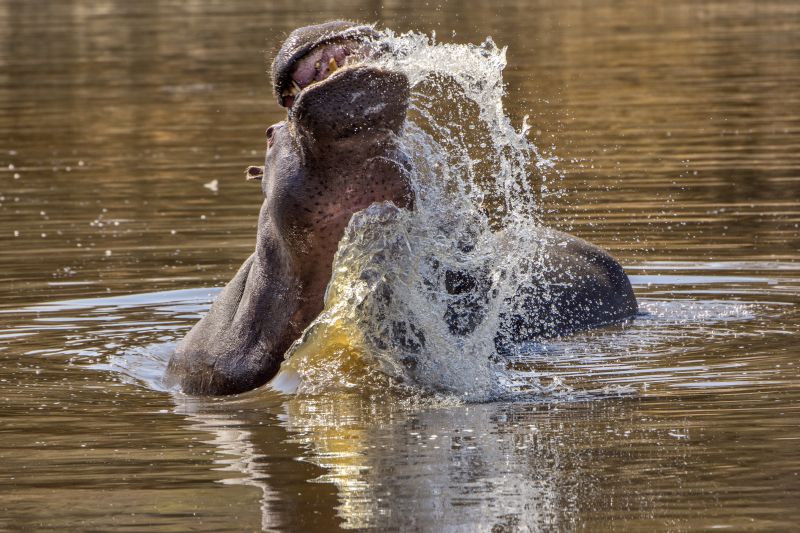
{"x": 327, "y": 59}
{"x": 332, "y": 66}
{"x": 293, "y": 90}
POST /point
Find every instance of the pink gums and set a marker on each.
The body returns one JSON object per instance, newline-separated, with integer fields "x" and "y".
{"x": 316, "y": 65}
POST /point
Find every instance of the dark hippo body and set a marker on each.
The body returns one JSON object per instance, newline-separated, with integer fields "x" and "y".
{"x": 335, "y": 155}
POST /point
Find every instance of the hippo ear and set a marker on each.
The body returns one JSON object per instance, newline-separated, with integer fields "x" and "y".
{"x": 254, "y": 173}
{"x": 355, "y": 101}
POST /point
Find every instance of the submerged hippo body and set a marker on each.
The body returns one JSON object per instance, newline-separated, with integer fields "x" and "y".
{"x": 335, "y": 155}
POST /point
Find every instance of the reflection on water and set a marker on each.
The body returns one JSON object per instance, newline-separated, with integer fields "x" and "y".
{"x": 675, "y": 128}
{"x": 666, "y": 404}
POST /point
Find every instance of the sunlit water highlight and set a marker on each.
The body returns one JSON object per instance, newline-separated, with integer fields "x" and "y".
{"x": 135, "y": 335}
{"x": 676, "y": 130}
{"x": 475, "y": 211}
{"x": 669, "y": 347}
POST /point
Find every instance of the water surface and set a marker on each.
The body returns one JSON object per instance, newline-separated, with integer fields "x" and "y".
{"x": 675, "y": 128}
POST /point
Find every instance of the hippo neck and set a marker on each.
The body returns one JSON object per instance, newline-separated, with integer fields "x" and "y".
{"x": 378, "y": 174}
{"x": 239, "y": 344}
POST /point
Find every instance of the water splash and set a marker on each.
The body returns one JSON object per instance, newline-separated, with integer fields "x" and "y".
{"x": 418, "y": 297}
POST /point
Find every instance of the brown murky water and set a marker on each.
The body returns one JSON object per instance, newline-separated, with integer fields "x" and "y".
{"x": 677, "y": 126}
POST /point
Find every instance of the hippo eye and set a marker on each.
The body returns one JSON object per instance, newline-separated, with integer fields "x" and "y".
{"x": 270, "y": 136}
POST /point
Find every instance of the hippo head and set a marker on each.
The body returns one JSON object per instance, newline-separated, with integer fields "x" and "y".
{"x": 335, "y": 154}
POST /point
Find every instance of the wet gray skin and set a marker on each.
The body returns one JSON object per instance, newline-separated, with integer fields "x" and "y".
{"x": 334, "y": 155}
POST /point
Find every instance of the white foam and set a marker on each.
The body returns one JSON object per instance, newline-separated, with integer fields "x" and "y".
{"x": 474, "y": 211}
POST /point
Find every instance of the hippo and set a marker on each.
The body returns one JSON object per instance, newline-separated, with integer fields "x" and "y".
{"x": 335, "y": 154}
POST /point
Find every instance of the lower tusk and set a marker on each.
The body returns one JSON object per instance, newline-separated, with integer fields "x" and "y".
{"x": 332, "y": 66}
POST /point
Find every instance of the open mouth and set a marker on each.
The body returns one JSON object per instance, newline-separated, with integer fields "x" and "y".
{"x": 320, "y": 63}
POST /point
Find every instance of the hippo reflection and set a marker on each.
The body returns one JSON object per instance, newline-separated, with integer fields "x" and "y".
{"x": 334, "y": 155}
